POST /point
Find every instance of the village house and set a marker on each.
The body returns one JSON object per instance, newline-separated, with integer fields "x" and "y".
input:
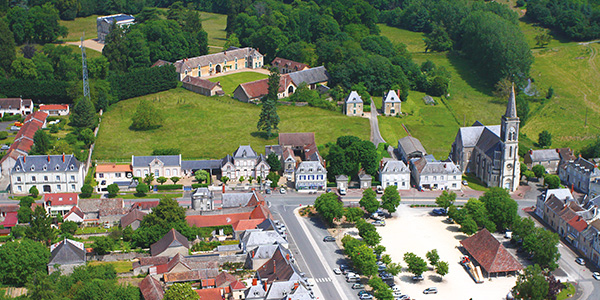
{"x": 394, "y": 172}
{"x": 151, "y": 289}
{"x": 210, "y": 64}
{"x": 171, "y": 244}
{"x": 410, "y": 147}
{"x": 542, "y": 199}
{"x": 278, "y": 268}
{"x": 65, "y": 256}
{"x": 75, "y": 215}
{"x": 253, "y": 238}
{"x": 391, "y": 104}
{"x": 254, "y": 91}
{"x": 429, "y": 173}
{"x": 160, "y": 165}
{"x": 353, "y": 105}
{"x": 202, "y": 86}
{"x": 258, "y": 256}
{"x": 49, "y": 173}
{"x": 55, "y": 109}
{"x": 549, "y": 158}
{"x": 23, "y": 140}
{"x": 107, "y": 174}
{"x": 244, "y": 163}
{"x": 288, "y": 66}
{"x": 106, "y": 211}
{"x": 15, "y": 106}
{"x": 594, "y": 189}
{"x": 313, "y": 77}
{"x": 104, "y": 24}
{"x": 491, "y": 152}
{"x": 579, "y": 173}
{"x": 60, "y": 203}
{"x": 133, "y": 218}
{"x": 310, "y": 175}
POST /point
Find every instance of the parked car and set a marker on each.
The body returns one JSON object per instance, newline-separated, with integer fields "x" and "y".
{"x": 337, "y": 271}
{"x": 386, "y": 276}
{"x": 282, "y": 190}
{"x": 366, "y": 296}
{"x": 362, "y": 292}
{"x": 328, "y": 239}
{"x": 353, "y": 279}
{"x": 438, "y": 212}
{"x": 402, "y": 297}
{"x": 580, "y": 261}
{"x": 465, "y": 183}
{"x": 342, "y": 191}
{"x": 431, "y": 290}
{"x": 417, "y": 278}
{"x": 380, "y": 223}
{"x": 357, "y": 286}
{"x": 379, "y": 190}
{"x": 328, "y": 190}
{"x": 268, "y": 191}
{"x": 395, "y": 288}
{"x": 596, "y": 275}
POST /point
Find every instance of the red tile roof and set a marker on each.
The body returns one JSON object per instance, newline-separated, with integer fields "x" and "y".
{"x": 10, "y": 220}
{"x": 261, "y": 212}
{"x": 216, "y": 220}
{"x": 578, "y": 224}
{"x": 112, "y": 168}
{"x": 151, "y": 289}
{"x": 199, "y": 82}
{"x": 210, "y": 294}
{"x": 61, "y": 199}
{"x": 278, "y": 268}
{"x": 489, "y": 253}
{"x": 6, "y": 208}
{"x": 144, "y": 205}
{"x": 237, "y": 285}
{"x": 242, "y": 225}
{"x": 208, "y": 282}
{"x": 289, "y": 64}
{"x": 132, "y": 216}
{"x": 259, "y": 88}
{"x": 75, "y": 210}
{"x": 54, "y": 107}
{"x": 224, "y": 279}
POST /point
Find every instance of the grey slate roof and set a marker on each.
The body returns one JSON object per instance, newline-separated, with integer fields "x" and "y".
{"x": 511, "y": 108}
{"x": 267, "y": 224}
{"x": 46, "y": 163}
{"x": 211, "y": 164}
{"x": 489, "y": 142}
{"x": 244, "y": 151}
{"x": 425, "y": 167}
{"x": 394, "y": 167}
{"x": 544, "y": 155}
{"x": 410, "y": 145}
{"x": 275, "y": 149}
{"x": 235, "y": 199}
{"x": 167, "y": 160}
{"x": 287, "y": 290}
{"x": 305, "y": 167}
{"x": 253, "y": 238}
{"x": 172, "y": 239}
{"x": 586, "y": 165}
{"x": 391, "y": 97}
{"x": 341, "y": 177}
{"x": 266, "y": 251}
{"x": 67, "y": 252}
{"x": 310, "y": 76}
{"x": 354, "y": 97}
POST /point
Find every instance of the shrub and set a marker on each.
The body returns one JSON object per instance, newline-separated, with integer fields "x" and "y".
{"x": 3, "y": 135}
{"x": 169, "y": 187}
{"x": 142, "y": 189}
{"x": 199, "y": 185}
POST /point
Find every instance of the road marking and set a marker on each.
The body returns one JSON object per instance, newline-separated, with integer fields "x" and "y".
{"x": 321, "y": 257}
{"x": 326, "y": 279}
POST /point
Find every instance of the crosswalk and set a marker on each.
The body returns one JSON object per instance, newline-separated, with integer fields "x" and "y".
{"x": 324, "y": 279}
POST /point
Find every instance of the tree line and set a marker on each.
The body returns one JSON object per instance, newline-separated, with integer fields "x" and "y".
{"x": 578, "y": 20}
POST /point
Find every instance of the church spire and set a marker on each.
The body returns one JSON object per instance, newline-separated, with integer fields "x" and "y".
{"x": 511, "y": 108}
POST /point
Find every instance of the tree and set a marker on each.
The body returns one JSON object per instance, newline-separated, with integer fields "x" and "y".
{"x": 468, "y": 226}
{"x": 68, "y": 227}
{"x": 539, "y": 171}
{"x": 41, "y": 143}
{"x": 86, "y": 191}
{"x": 103, "y": 245}
{"x": 433, "y": 257}
{"x": 550, "y": 93}
{"x": 390, "y": 199}
{"x": 369, "y": 201}
{"x": 83, "y": 114}
{"x": 501, "y": 207}
{"x": 441, "y": 268}
{"x": 528, "y": 174}
{"x": 164, "y": 217}
{"x": 21, "y": 259}
{"x": 40, "y": 226}
{"x": 542, "y": 39}
{"x": 113, "y": 190}
{"x": 531, "y": 284}
{"x": 553, "y": 181}
{"x": 142, "y": 189}
{"x": 394, "y": 268}
{"x": 149, "y": 178}
{"x": 161, "y": 179}
{"x": 7, "y": 47}
{"x": 445, "y": 200}
{"x": 274, "y": 177}
{"x": 232, "y": 41}
{"x": 174, "y": 179}
{"x": 329, "y": 207}
{"x": 146, "y": 117}
{"x": 24, "y": 69}
{"x": 24, "y": 213}
{"x": 353, "y": 214}
{"x": 437, "y": 40}
{"x": 224, "y": 179}
{"x": 250, "y": 179}
{"x": 380, "y": 289}
{"x": 87, "y": 136}
{"x": 274, "y": 162}
{"x": 181, "y": 291}
{"x": 368, "y": 232}
{"x": 478, "y": 212}
{"x": 33, "y": 191}
{"x": 201, "y": 176}
{"x": 416, "y": 265}
{"x": 241, "y": 179}
{"x": 364, "y": 260}
{"x": 545, "y": 139}
{"x": 269, "y": 120}
{"x": 127, "y": 233}
{"x": 386, "y": 259}
{"x": 543, "y": 244}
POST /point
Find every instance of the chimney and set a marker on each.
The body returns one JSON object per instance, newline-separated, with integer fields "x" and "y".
{"x": 530, "y": 151}
{"x": 254, "y": 281}
{"x": 48, "y": 157}
{"x": 265, "y": 286}
{"x": 63, "y": 157}
{"x": 253, "y": 253}
{"x": 223, "y": 189}
{"x": 24, "y": 158}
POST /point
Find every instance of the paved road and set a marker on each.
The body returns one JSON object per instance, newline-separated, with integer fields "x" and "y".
{"x": 375, "y": 134}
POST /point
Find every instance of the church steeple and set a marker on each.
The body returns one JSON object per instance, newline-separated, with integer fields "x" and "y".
{"x": 511, "y": 108}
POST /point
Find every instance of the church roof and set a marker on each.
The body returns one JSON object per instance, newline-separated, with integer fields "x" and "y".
{"x": 511, "y": 108}
{"x": 489, "y": 142}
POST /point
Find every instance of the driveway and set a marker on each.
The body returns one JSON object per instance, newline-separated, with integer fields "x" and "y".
{"x": 375, "y": 134}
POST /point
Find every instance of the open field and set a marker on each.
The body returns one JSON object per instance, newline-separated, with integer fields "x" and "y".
{"x": 78, "y": 26}
{"x": 214, "y": 25}
{"x": 570, "y": 68}
{"x": 230, "y": 82}
{"x": 204, "y": 127}
{"x": 120, "y": 266}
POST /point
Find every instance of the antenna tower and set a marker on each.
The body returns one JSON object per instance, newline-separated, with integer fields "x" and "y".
{"x": 86, "y": 85}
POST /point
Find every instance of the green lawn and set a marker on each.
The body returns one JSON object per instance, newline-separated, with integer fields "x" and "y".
{"x": 210, "y": 128}
{"x": 566, "y": 293}
{"x": 230, "y": 82}
{"x": 78, "y": 26}
{"x": 214, "y": 25}
{"x": 474, "y": 182}
{"x": 91, "y": 229}
{"x": 120, "y": 266}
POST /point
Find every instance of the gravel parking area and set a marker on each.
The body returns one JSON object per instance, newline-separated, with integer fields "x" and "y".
{"x": 415, "y": 230}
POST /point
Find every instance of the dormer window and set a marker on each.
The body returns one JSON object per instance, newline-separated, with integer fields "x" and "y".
{"x": 18, "y": 168}
{"x": 56, "y": 167}
{"x": 45, "y": 168}
{"x": 71, "y": 167}
{"x": 32, "y": 168}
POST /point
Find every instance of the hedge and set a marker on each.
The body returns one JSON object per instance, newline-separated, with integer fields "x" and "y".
{"x": 44, "y": 91}
{"x": 143, "y": 81}
{"x": 169, "y": 187}
{"x": 199, "y": 185}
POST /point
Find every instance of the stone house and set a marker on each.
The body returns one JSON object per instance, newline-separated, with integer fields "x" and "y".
{"x": 436, "y": 175}
{"x": 394, "y": 172}
{"x": 103, "y": 210}
{"x": 310, "y": 175}
{"x": 74, "y": 215}
{"x": 15, "y": 106}
{"x": 579, "y": 173}
{"x": 133, "y": 218}
{"x": 55, "y": 109}
{"x": 104, "y": 24}
{"x": 353, "y": 105}
{"x": 202, "y": 86}
{"x": 244, "y": 162}
{"x": 160, "y": 165}
{"x": 171, "y": 244}
{"x": 288, "y": 66}
{"x": 410, "y": 147}
{"x": 549, "y": 158}
{"x": 221, "y": 62}
{"x": 391, "y": 104}
{"x": 254, "y": 91}
{"x": 49, "y": 173}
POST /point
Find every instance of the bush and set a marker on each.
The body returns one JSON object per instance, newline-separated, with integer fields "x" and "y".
{"x": 169, "y": 187}
{"x": 3, "y": 135}
{"x": 142, "y": 189}
{"x": 199, "y": 185}
{"x": 86, "y": 191}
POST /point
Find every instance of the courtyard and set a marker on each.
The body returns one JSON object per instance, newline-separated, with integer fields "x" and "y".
{"x": 415, "y": 230}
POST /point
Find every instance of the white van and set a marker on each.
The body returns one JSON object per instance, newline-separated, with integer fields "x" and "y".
{"x": 343, "y": 191}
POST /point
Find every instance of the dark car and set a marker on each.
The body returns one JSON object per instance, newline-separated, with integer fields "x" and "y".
{"x": 417, "y": 278}
{"x": 357, "y": 286}
{"x": 328, "y": 239}
{"x": 438, "y": 212}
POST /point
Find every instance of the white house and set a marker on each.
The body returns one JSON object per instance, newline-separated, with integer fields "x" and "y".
{"x": 394, "y": 172}
{"x": 391, "y": 104}
{"x": 579, "y": 174}
{"x": 436, "y": 175}
{"x": 74, "y": 215}
{"x": 245, "y": 162}
{"x": 60, "y": 203}
{"x": 104, "y": 24}
{"x": 55, "y": 109}
{"x": 107, "y": 174}
{"x": 49, "y": 173}
{"x": 311, "y": 175}
{"x": 353, "y": 105}
{"x": 15, "y": 106}
{"x": 160, "y": 165}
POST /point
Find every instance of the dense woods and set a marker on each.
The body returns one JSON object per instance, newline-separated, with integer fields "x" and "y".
{"x": 579, "y": 20}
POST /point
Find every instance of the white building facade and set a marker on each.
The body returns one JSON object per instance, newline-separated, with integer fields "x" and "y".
{"x": 49, "y": 173}
{"x": 310, "y": 175}
{"x": 395, "y": 172}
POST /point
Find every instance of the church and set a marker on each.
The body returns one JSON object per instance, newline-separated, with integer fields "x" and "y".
{"x": 491, "y": 152}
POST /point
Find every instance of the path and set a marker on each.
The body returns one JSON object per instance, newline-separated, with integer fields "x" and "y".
{"x": 90, "y": 44}
{"x": 375, "y": 134}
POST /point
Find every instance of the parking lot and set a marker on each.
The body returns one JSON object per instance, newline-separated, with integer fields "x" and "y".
{"x": 415, "y": 230}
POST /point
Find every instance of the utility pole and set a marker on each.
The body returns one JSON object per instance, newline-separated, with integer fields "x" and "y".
{"x": 86, "y": 85}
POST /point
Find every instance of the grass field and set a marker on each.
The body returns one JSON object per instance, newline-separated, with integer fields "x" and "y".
{"x": 204, "y": 127}
{"x": 120, "y": 266}
{"x": 214, "y": 25}
{"x": 230, "y": 82}
{"x": 78, "y": 26}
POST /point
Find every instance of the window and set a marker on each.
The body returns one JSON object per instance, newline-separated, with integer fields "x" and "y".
{"x": 71, "y": 167}
{"x": 426, "y": 177}
{"x": 174, "y": 172}
{"x": 168, "y": 172}
{"x": 403, "y": 183}
{"x": 434, "y": 177}
{"x": 45, "y": 178}
{"x": 118, "y": 175}
{"x": 32, "y": 168}
{"x": 44, "y": 168}
{"x": 72, "y": 187}
{"x": 72, "y": 177}
{"x": 18, "y": 168}
{"x": 454, "y": 185}
{"x": 18, "y": 178}
{"x": 138, "y": 173}
{"x": 57, "y": 177}
{"x": 454, "y": 177}
{"x": 156, "y": 173}
{"x": 33, "y": 178}
{"x": 58, "y": 187}
{"x": 145, "y": 173}
{"x": 19, "y": 188}
{"x": 100, "y": 175}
